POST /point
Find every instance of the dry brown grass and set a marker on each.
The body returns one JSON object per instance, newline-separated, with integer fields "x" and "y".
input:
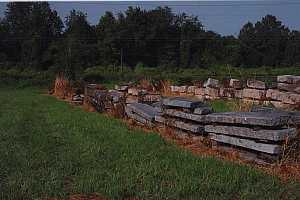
{"x": 165, "y": 88}
{"x": 62, "y": 87}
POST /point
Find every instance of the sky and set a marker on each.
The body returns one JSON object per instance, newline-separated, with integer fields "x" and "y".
{"x": 224, "y": 17}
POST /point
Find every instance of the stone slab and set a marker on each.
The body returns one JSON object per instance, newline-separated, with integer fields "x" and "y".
{"x": 285, "y": 97}
{"x": 248, "y": 118}
{"x": 203, "y": 110}
{"x": 183, "y": 115}
{"x": 175, "y": 88}
{"x": 183, "y": 89}
{"x": 191, "y": 89}
{"x": 256, "y": 84}
{"x": 261, "y": 134}
{"x": 121, "y": 87}
{"x": 246, "y": 143}
{"x": 194, "y": 128}
{"x": 212, "y": 83}
{"x": 200, "y": 91}
{"x": 181, "y": 102}
{"x": 238, "y": 94}
{"x": 235, "y": 83}
{"x": 146, "y": 111}
{"x": 138, "y": 118}
{"x": 132, "y": 99}
{"x": 213, "y": 93}
{"x": 151, "y": 98}
{"x": 289, "y": 87}
{"x": 288, "y": 79}
{"x": 227, "y": 92}
{"x": 254, "y": 94}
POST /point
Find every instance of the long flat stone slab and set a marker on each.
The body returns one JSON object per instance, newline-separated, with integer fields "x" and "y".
{"x": 248, "y": 118}
{"x": 256, "y": 84}
{"x": 288, "y": 79}
{"x": 138, "y": 118}
{"x": 183, "y": 115}
{"x": 262, "y": 134}
{"x": 246, "y": 143}
{"x": 146, "y": 111}
{"x": 289, "y": 87}
{"x": 181, "y": 102}
{"x": 194, "y": 128}
{"x": 285, "y": 97}
{"x": 254, "y": 94}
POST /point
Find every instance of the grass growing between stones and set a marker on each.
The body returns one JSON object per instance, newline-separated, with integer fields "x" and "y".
{"x": 51, "y": 149}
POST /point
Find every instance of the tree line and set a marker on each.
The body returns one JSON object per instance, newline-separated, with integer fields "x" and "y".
{"x": 32, "y": 35}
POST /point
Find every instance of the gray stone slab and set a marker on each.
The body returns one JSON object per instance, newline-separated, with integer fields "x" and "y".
{"x": 181, "y": 102}
{"x": 262, "y": 134}
{"x": 235, "y": 83}
{"x": 212, "y": 83}
{"x": 256, "y": 84}
{"x": 116, "y": 95}
{"x": 248, "y": 118}
{"x": 288, "y": 79}
{"x": 203, "y": 110}
{"x": 183, "y": 115}
{"x": 289, "y": 87}
{"x": 285, "y": 97}
{"x": 254, "y": 94}
{"x": 138, "y": 118}
{"x": 194, "y": 128}
{"x": 146, "y": 111}
{"x": 246, "y": 143}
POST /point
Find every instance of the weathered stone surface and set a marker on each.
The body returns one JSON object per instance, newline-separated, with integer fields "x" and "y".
{"x": 295, "y": 118}
{"x": 285, "y": 97}
{"x": 227, "y": 92}
{"x": 191, "y": 89}
{"x": 254, "y": 94}
{"x": 289, "y": 87}
{"x": 281, "y": 105}
{"x": 235, "y": 83}
{"x": 138, "y": 118}
{"x": 132, "y": 99}
{"x": 194, "y": 128}
{"x": 212, "y": 83}
{"x": 121, "y": 87}
{"x": 183, "y": 89}
{"x": 256, "y": 108}
{"x": 151, "y": 98}
{"x": 146, "y": 111}
{"x": 288, "y": 79}
{"x": 238, "y": 94}
{"x": 261, "y": 134}
{"x": 203, "y": 110}
{"x": 246, "y": 143}
{"x": 248, "y": 118}
{"x": 136, "y": 91}
{"x": 183, "y": 115}
{"x": 256, "y": 84}
{"x": 157, "y": 106}
{"x": 116, "y": 96}
{"x": 200, "y": 91}
{"x": 181, "y": 102}
{"x": 175, "y": 88}
{"x": 213, "y": 93}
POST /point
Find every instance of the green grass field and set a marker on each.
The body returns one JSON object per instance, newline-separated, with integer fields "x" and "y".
{"x": 51, "y": 149}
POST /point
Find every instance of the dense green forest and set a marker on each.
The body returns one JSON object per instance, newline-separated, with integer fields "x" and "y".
{"x": 33, "y": 36}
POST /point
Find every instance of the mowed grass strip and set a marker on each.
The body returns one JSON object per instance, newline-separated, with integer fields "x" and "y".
{"x": 51, "y": 149}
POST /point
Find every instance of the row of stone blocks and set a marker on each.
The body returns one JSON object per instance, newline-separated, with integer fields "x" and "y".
{"x": 263, "y": 132}
{"x": 285, "y": 91}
